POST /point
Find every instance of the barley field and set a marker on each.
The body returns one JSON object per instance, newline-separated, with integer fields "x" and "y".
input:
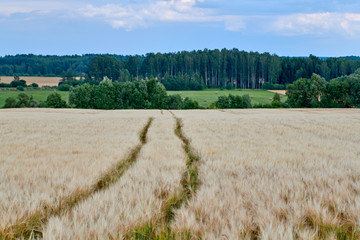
{"x": 281, "y": 92}
{"x": 202, "y": 174}
{"x": 41, "y": 81}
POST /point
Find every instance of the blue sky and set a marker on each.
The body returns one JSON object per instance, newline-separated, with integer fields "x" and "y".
{"x": 286, "y": 28}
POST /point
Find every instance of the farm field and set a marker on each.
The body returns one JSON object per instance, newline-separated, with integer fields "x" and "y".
{"x": 259, "y": 96}
{"x": 211, "y": 95}
{"x": 276, "y": 174}
{"x": 38, "y": 95}
{"x": 282, "y": 92}
{"x": 137, "y": 198}
{"x": 210, "y": 174}
{"x": 41, "y": 81}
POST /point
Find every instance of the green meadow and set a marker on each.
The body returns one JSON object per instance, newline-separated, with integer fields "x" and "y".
{"x": 38, "y": 95}
{"x": 206, "y": 97}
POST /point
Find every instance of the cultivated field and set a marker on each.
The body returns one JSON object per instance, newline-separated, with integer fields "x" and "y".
{"x": 277, "y": 174}
{"x": 137, "y": 198}
{"x": 211, "y": 174}
{"x": 281, "y": 92}
{"x": 42, "y": 81}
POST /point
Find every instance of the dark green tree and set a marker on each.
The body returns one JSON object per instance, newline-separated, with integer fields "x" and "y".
{"x": 337, "y": 94}
{"x": 54, "y": 101}
{"x": 23, "y": 100}
{"x": 276, "y": 101}
{"x": 104, "y": 95}
{"x": 306, "y": 92}
{"x": 157, "y": 95}
{"x": 82, "y": 96}
{"x": 190, "y": 104}
{"x": 235, "y": 101}
{"x": 17, "y": 83}
{"x": 246, "y": 101}
{"x": 104, "y": 66}
{"x": 10, "y": 102}
{"x": 222, "y": 102}
{"x": 175, "y": 102}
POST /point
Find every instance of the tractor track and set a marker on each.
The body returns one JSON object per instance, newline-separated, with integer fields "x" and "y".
{"x": 189, "y": 184}
{"x": 31, "y": 226}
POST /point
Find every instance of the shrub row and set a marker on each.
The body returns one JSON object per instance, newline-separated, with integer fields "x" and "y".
{"x": 232, "y": 101}
{"x": 342, "y": 92}
{"x": 127, "y": 95}
{"x": 24, "y": 101}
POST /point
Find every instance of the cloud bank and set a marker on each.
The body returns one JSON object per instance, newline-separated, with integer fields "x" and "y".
{"x": 9, "y": 8}
{"x": 134, "y": 16}
{"x": 145, "y": 14}
{"x": 317, "y": 24}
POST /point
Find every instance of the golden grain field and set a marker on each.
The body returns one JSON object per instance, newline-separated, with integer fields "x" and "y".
{"x": 262, "y": 174}
{"x": 276, "y": 174}
{"x": 41, "y": 81}
{"x": 138, "y": 196}
{"x": 281, "y": 92}
{"x": 48, "y": 154}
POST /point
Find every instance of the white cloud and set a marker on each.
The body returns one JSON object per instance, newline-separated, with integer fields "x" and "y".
{"x": 317, "y": 24}
{"x": 141, "y": 14}
{"x": 9, "y": 8}
{"x": 134, "y": 16}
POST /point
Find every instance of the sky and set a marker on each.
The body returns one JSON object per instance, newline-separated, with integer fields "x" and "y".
{"x": 325, "y": 28}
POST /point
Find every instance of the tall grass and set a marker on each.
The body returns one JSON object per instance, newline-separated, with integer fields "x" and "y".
{"x": 138, "y": 198}
{"x": 274, "y": 174}
{"x": 45, "y": 174}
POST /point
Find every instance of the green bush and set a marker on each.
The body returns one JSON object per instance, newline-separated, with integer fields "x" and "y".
{"x": 17, "y": 83}
{"x": 23, "y": 100}
{"x": 276, "y": 104}
{"x": 190, "y": 104}
{"x": 82, "y": 96}
{"x": 20, "y": 88}
{"x": 246, "y": 101}
{"x": 34, "y": 85}
{"x": 276, "y": 98}
{"x": 54, "y": 101}
{"x": 64, "y": 87}
{"x": 316, "y": 92}
{"x": 5, "y": 85}
{"x": 276, "y": 101}
{"x": 222, "y": 102}
{"x": 127, "y": 95}
{"x": 306, "y": 92}
{"x": 10, "y": 102}
{"x": 175, "y": 102}
{"x": 233, "y": 101}
{"x": 42, "y": 104}
{"x": 229, "y": 86}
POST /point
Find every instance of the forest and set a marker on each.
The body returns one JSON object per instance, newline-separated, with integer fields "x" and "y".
{"x": 185, "y": 70}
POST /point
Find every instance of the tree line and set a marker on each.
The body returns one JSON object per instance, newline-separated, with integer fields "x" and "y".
{"x": 127, "y": 95}
{"x": 185, "y": 70}
{"x": 316, "y": 92}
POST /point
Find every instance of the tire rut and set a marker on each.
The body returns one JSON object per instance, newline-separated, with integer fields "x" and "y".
{"x": 31, "y": 226}
{"x": 189, "y": 184}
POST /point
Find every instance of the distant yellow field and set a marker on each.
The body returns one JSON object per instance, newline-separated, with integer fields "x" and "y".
{"x": 42, "y": 81}
{"x": 282, "y": 92}
{"x": 263, "y": 174}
